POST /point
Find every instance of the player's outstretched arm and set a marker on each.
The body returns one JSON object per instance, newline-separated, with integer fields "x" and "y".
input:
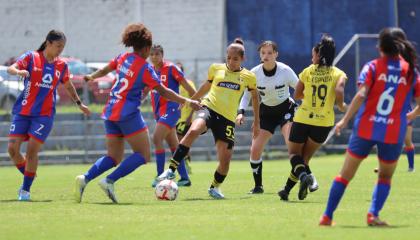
{"x": 339, "y": 94}
{"x": 14, "y": 70}
{"x": 352, "y": 109}
{"x": 203, "y": 90}
{"x": 71, "y": 91}
{"x": 172, "y": 96}
{"x": 99, "y": 73}
{"x": 256, "y": 109}
{"x": 191, "y": 91}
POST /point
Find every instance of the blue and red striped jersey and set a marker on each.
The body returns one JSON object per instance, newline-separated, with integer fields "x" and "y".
{"x": 133, "y": 74}
{"x": 170, "y": 76}
{"x": 391, "y": 87}
{"x": 39, "y": 95}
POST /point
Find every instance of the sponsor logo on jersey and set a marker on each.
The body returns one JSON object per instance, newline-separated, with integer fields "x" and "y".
{"x": 379, "y": 119}
{"x": 229, "y": 85}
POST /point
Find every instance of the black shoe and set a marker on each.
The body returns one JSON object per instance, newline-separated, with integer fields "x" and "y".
{"x": 305, "y": 182}
{"x": 284, "y": 195}
{"x": 256, "y": 190}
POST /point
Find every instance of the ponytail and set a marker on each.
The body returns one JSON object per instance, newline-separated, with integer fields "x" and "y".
{"x": 405, "y": 48}
{"x": 42, "y": 47}
{"x": 408, "y": 52}
{"x": 326, "y": 51}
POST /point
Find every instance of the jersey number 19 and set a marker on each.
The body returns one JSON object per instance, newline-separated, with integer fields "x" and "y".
{"x": 319, "y": 92}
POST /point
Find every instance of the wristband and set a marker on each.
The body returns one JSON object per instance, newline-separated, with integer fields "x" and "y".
{"x": 241, "y": 111}
{"x": 78, "y": 102}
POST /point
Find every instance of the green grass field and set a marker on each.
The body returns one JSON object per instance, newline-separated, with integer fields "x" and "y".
{"x": 53, "y": 214}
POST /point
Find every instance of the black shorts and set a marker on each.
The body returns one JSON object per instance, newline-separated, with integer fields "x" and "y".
{"x": 273, "y": 116}
{"x": 222, "y": 128}
{"x": 182, "y": 128}
{"x": 300, "y": 132}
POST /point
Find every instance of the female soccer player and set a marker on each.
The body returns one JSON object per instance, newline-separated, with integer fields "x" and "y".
{"x": 34, "y": 110}
{"x": 382, "y": 104}
{"x": 167, "y": 112}
{"x": 225, "y": 86}
{"x": 320, "y": 86}
{"x": 184, "y": 122}
{"x": 408, "y": 141}
{"x": 122, "y": 118}
{"x": 276, "y": 109}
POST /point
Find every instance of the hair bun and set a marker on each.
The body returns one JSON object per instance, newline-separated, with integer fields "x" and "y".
{"x": 238, "y": 41}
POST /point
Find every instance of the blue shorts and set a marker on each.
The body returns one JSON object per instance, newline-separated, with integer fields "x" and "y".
{"x": 360, "y": 148}
{"x": 37, "y": 127}
{"x": 169, "y": 118}
{"x": 125, "y": 128}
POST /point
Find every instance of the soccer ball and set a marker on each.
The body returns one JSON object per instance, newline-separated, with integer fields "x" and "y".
{"x": 166, "y": 190}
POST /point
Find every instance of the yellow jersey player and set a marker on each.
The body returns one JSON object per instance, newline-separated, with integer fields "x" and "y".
{"x": 187, "y": 114}
{"x": 321, "y": 85}
{"x": 224, "y": 88}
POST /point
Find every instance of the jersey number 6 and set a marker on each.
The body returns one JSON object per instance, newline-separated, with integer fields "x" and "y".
{"x": 386, "y": 102}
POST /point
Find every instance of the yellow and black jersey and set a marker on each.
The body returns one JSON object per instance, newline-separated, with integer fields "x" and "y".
{"x": 227, "y": 88}
{"x": 317, "y": 106}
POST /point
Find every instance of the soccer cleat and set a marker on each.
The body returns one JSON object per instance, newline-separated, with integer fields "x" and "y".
{"x": 79, "y": 188}
{"x": 24, "y": 195}
{"x": 256, "y": 190}
{"x": 284, "y": 195}
{"x": 155, "y": 182}
{"x": 168, "y": 174}
{"x": 325, "y": 221}
{"x": 184, "y": 183}
{"x": 411, "y": 170}
{"x": 314, "y": 186}
{"x": 375, "y": 221}
{"x": 305, "y": 182}
{"x": 108, "y": 188}
{"x": 216, "y": 193}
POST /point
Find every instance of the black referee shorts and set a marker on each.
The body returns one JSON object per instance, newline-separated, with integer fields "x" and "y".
{"x": 273, "y": 116}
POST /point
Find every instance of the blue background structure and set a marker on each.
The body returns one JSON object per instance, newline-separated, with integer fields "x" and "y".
{"x": 297, "y": 25}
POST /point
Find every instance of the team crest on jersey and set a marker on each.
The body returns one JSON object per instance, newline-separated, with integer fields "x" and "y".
{"x": 229, "y": 85}
{"x": 57, "y": 73}
{"x": 163, "y": 78}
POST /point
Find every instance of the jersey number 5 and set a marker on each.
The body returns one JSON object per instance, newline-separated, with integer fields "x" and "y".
{"x": 320, "y": 92}
{"x": 385, "y": 103}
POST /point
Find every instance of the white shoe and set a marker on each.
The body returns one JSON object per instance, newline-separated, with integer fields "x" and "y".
{"x": 24, "y": 195}
{"x": 167, "y": 174}
{"x": 79, "y": 188}
{"x": 314, "y": 186}
{"x": 108, "y": 188}
{"x": 216, "y": 193}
